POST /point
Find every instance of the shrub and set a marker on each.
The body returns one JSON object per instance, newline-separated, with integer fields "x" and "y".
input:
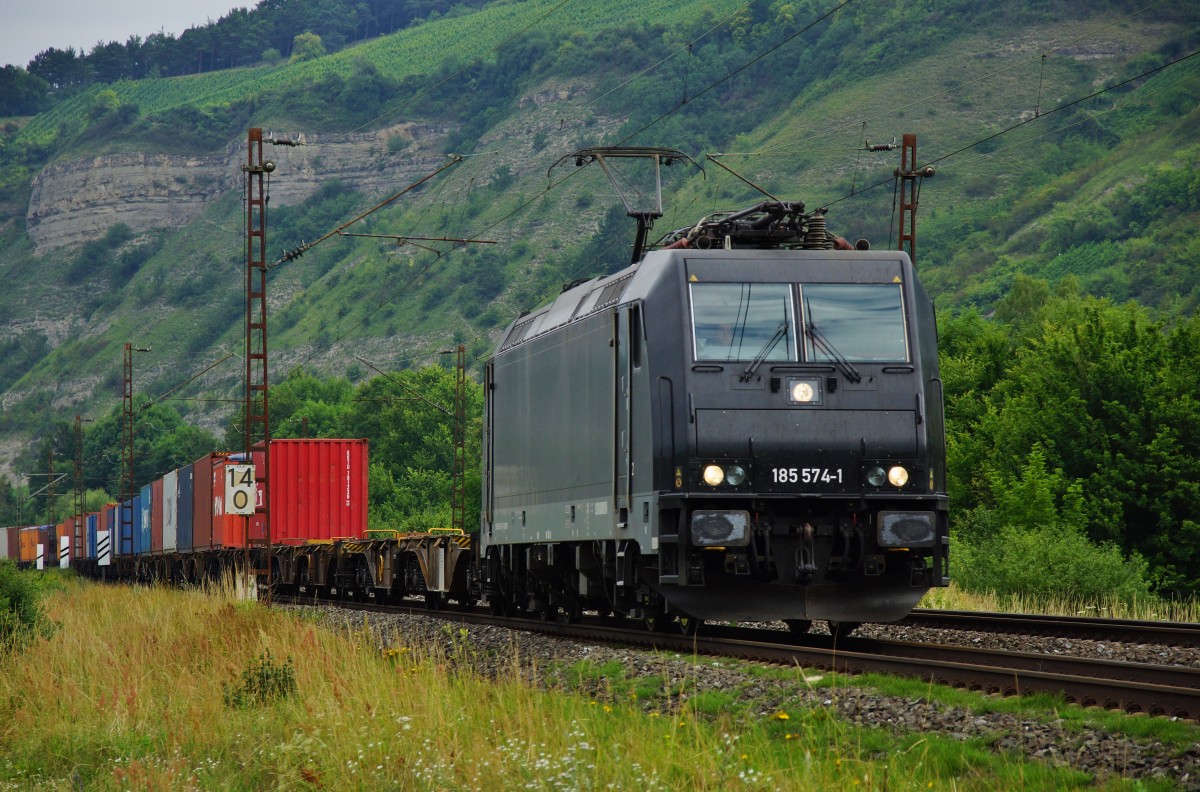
{"x": 306, "y": 46}
{"x": 263, "y": 682}
{"x": 22, "y": 617}
{"x": 1051, "y": 561}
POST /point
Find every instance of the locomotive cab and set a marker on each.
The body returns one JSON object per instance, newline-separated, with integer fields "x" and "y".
{"x": 813, "y": 480}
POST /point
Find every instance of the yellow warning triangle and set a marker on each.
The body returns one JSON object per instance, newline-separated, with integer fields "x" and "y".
{"x": 693, "y": 279}
{"x": 897, "y": 279}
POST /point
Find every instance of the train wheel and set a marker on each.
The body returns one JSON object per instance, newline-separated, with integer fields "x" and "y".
{"x": 570, "y": 611}
{"x": 689, "y": 625}
{"x": 840, "y": 629}
{"x": 798, "y": 626}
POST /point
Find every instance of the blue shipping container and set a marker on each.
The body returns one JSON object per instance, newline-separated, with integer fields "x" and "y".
{"x": 183, "y": 504}
{"x": 132, "y": 546}
{"x": 92, "y": 519}
{"x": 141, "y": 539}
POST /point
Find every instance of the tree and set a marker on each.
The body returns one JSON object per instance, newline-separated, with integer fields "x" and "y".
{"x": 61, "y": 68}
{"x": 306, "y": 46}
{"x": 21, "y": 93}
{"x": 110, "y": 62}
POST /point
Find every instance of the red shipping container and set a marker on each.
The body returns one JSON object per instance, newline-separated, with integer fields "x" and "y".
{"x": 156, "y": 516}
{"x": 202, "y": 503}
{"x": 212, "y": 527}
{"x": 318, "y": 490}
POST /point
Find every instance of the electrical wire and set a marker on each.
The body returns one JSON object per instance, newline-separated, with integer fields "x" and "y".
{"x": 809, "y": 135}
{"x": 1029, "y": 120}
{"x": 191, "y": 379}
{"x": 1092, "y": 116}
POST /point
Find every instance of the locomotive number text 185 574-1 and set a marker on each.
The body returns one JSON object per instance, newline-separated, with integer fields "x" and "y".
{"x": 806, "y": 475}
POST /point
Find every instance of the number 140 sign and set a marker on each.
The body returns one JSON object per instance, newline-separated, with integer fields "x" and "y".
{"x": 239, "y": 489}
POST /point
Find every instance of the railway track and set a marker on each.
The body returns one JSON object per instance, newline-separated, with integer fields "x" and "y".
{"x": 1079, "y": 627}
{"x": 1157, "y": 690}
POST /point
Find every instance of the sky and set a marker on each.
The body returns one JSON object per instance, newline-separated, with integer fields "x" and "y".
{"x": 29, "y": 26}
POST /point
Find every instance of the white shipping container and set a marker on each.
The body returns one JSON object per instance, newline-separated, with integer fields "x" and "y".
{"x": 170, "y": 517}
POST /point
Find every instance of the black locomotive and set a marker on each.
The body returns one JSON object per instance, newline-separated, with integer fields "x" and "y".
{"x": 745, "y": 424}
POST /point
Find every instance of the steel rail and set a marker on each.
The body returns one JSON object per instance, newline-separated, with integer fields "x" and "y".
{"x": 1181, "y": 634}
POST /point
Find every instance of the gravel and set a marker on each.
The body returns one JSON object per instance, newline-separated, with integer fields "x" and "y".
{"x": 1092, "y": 750}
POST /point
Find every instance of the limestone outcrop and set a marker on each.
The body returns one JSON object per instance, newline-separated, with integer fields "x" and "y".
{"x": 77, "y": 201}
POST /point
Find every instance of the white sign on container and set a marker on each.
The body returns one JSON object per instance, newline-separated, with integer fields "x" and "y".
{"x": 239, "y": 489}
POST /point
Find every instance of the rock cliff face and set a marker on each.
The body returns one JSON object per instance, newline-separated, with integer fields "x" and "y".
{"x": 74, "y": 202}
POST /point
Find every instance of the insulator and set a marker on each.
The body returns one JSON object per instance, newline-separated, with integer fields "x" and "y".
{"x": 815, "y": 237}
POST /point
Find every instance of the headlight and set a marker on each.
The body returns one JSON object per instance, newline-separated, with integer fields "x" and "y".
{"x": 898, "y": 476}
{"x": 876, "y": 477}
{"x": 713, "y": 475}
{"x": 804, "y": 391}
{"x": 735, "y": 476}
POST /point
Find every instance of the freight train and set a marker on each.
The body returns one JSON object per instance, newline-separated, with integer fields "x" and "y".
{"x": 744, "y": 424}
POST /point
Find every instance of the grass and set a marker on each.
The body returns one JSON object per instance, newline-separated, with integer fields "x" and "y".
{"x": 955, "y": 598}
{"x": 150, "y": 688}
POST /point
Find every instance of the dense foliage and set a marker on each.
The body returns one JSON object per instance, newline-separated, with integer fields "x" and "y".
{"x": 408, "y": 420}
{"x": 1074, "y": 417}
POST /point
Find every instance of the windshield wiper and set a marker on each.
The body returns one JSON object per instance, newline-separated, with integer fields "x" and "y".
{"x": 821, "y": 343}
{"x": 748, "y": 374}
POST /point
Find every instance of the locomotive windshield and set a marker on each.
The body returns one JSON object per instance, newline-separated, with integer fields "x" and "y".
{"x": 736, "y": 321}
{"x": 863, "y": 322}
{"x": 858, "y": 322}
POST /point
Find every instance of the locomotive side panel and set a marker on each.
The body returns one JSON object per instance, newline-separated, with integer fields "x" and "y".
{"x": 553, "y": 436}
